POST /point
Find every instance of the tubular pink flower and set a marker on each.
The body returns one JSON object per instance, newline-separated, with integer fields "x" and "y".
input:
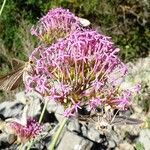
{"x": 56, "y": 24}
{"x": 120, "y": 103}
{"x": 94, "y": 103}
{"x": 72, "y": 109}
{"x": 136, "y": 88}
{"x": 25, "y": 133}
{"x": 68, "y": 112}
{"x": 76, "y": 106}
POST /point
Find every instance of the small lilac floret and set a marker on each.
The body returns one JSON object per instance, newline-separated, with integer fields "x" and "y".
{"x": 94, "y": 103}
{"x": 136, "y": 88}
{"x": 68, "y": 112}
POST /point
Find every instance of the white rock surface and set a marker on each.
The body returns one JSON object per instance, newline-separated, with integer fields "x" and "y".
{"x": 71, "y": 141}
{"x": 144, "y": 138}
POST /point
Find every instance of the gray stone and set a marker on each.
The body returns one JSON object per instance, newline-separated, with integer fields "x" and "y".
{"x": 125, "y": 146}
{"x": 11, "y": 109}
{"x": 7, "y": 139}
{"x": 14, "y": 109}
{"x": 51, "y": 105}
{"x": 84, "y": 130}
{"x": 34, "y": 104}
{"x": 59, "y": 113}
{"x": 73, "y": 125}
{"x": 94, "y": 135}
{"x": 71, "y": 141}
{"x": 144, "y": 138}
{"x": 112, "y": 144}
{"x": 57, "y": 108}
{"x": 21, "y": 97}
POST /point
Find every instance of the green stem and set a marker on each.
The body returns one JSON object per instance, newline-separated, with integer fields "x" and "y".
{"x": 2, "y": 7}
{"x": 43, "y": 111}
{"x": 40, "y": 120}
{"x": 29, "y": 145}
{"x": 57, "y": 134}
{"x": 21, "y": 146}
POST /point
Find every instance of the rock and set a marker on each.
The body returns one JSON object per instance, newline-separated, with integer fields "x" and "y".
{"x": 125, "y": 146}
{"x": 71, "y": 141}
{"x": 111, "y": 144}
{"x": 21, "y": 97}
{"x": 59, "y": 113}
{"x": 35, "y": 104}
{"x": 11, "y": 109}
{"x": 51, "y": 105}
{"x": 84, "y": 130}
{"x": 73, "y": 125}
{"x": 58, "y": 109}
{"x": 6, "y": 140}
{"x": 115, "y": 137}
{"x": 94, "y": 135}
{"x": 144, "y": 138}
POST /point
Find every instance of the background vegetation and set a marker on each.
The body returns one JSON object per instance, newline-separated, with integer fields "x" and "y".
{"x": 126, "y": 21}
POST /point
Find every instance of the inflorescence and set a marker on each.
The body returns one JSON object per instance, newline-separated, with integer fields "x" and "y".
{"x": 56, "y": 24}
{"x": 25, "y": 133}
{"x": 76, "y": 66}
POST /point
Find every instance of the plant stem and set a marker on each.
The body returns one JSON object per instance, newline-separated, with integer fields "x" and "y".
{"x": 43, "y": 111}
{"x": 57, "y": 134}
{"x": 40, "y": 119}
{"x": 29, "y": 145}
{"x": 2, "y": 7}
{"x": 21, "y": 146}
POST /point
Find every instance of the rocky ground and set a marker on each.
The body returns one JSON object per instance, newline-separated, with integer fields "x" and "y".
{"x": 77, "y": 136}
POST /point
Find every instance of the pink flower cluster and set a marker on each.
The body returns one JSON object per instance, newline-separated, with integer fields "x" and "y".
{"x": 25, "y": 133}
{"x": 80, "y": 69}
{"x": 56, "y": 24}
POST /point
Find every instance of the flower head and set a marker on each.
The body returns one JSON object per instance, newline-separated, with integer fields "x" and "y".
{"x": 82, "y": 68}
{"x": 56, "y": 24}
{"x": 25, "y": 133}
